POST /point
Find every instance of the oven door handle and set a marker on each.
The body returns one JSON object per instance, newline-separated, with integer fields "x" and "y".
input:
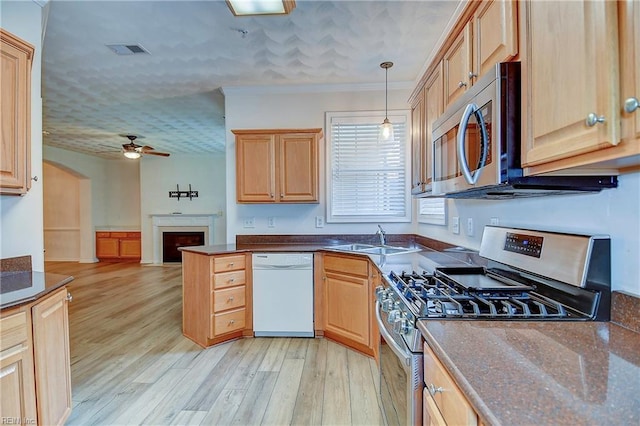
{"x": 404, "y": 355}
{"x": 472, "y": 109}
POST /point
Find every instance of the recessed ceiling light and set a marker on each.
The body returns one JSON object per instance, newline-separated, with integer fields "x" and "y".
{"x": 261, "y": 7}
{"x": 127, "y": 49}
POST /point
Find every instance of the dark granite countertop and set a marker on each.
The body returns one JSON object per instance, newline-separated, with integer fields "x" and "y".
{"x": 19, "y": 287}
{"x": 544, "y": 372}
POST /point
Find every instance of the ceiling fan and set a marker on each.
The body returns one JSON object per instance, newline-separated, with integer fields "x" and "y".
{"x": 133, "y": 151}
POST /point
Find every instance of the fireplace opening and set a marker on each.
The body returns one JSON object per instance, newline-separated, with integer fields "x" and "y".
{"x": 172, "y": 240}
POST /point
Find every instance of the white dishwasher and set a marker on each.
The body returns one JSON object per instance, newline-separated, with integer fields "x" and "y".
{"x": 283, "y": 294}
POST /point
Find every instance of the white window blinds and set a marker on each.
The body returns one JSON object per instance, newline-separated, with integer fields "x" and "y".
{"x": 367, "y": 178}
{"x": 432, "y": 210}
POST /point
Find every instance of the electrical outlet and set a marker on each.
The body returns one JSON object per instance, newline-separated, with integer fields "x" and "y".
{"x": 271, "y": 222}
{"x": 319, "y": 222}
{"x": 495, "y": 221}
{"x": 249, "y": 222}
{"x": 455, "y": 224}
{"x": 470, "y": 230}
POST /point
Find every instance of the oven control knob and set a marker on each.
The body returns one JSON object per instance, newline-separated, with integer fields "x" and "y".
{"x": 387, "y": 305}
{"x": 393, "y": 316}
{"x": 401, "y": 326}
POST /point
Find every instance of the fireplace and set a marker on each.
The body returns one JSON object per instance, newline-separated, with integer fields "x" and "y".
{"x": 172, "y": 240}
{"x": 190, "y": 223}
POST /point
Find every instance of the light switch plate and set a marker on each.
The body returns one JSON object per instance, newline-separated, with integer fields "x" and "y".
{"x": 249, "y": 222}
{"x": 455, "y": 224}
{"x": 271, "y": 222}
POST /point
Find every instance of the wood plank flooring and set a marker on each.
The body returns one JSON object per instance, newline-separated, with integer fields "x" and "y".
{"x": 130, "y": 363}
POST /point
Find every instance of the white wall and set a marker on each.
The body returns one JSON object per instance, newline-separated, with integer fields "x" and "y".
{"x": 21, "y": 218}
{"x": 266, "y": 108}
{"x": 158, "y": 176}
{"x": 613, "y": 212}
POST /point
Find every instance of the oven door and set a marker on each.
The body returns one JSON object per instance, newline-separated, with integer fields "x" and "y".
{"x": 401, "y": 377}
{"x": 465, "y": 149}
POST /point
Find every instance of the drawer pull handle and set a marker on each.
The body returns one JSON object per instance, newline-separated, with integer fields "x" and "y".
{"x": 462, "y": 84}
{"x": 631, "y": 104}
{"x": 231, "y": 264}
{"x": 231, "y": 280}
{"x": 434, "y": 390}
{"x": 231, "y": 299}
{"x": 232, "y": 322}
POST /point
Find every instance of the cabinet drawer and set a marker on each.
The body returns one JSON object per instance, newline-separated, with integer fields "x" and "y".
{"x": 118, "y": 235}
{"x": 103, "y": 234}
{"x": 450, "y": 401}
{"x": 228, "y": 298}
{"x": 228, "y": 279}
{"x": 348, "y": 265}
{"x": 133, "y": 235}
{"x": 228, "y": 263}
{"x": 227, "y": 322}
{"x": 14, "y": 330}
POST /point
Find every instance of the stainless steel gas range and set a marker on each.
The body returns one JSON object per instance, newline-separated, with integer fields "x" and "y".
{"x": 526, "y": 275}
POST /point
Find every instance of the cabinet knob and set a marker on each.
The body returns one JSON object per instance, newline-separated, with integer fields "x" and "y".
{"x": 231, "y": 280}
{"x": 231, "y": 264}
{"x": 69, "y": 297}
{"x": 472, "y": 75}
{"x": 271, "y": 195}
{"x": 231, "y": 299}
{"x": 593, "y": 119}
{"x": 462, "y": 84}
{"x": 232, "y": 322}
{"x": 631, "y": 104}
{"x": 434, "y": 390}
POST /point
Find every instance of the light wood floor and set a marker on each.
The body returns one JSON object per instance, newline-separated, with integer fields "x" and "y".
{"x": 131, "y": 365}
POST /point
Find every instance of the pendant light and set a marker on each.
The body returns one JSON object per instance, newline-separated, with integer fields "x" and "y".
{"x": 386, "y": 128}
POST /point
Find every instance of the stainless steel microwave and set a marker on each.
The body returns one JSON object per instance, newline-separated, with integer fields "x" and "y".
{"x": 477, "y": 149}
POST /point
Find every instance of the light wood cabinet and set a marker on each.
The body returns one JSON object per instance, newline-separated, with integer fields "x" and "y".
{"x": 35, "y": 362}
{"x": 277, "y": 166}
{"x": 52, "y": 367}
{"x": 15, "y": 103}
{"x": 489, "y": 36}
{"x": 629, "y": 28}
{"x": 217, "y": 296}
{"x": 444, "y": 402}
{"x": 418, "y": 145}
{"x": 348, "y": 298}
{"x": 17, "y": 382}
{"x": 570, "y": 80}
{"x": 118, "y": 246}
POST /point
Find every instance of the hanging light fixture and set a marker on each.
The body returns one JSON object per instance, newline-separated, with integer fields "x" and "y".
{"x": 386, "y": 128}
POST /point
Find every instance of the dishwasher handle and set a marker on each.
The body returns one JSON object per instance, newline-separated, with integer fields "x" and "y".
{"x": 282, "y": 267}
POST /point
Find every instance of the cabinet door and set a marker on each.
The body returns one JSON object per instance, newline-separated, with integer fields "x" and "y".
{"x": 347, "y": 307}
{"x": 17, "y": 385}
{"x": 52, "y": 358}
{"x": 418, "y": 145}
{"x": 457, "y": 66}
{"x": 570, "y": 75}
{"x": 629, "y": 18}
{"x": 495, "y": 34}
{"x": 15, "y": 103}
{"x": 130, "y": 248}
{"x": 255, "y": 168}
{"x": 433, "y": 110}
{"x": 107, "y": 248}
{"x": 298, "y": 167}
{"x": 431, "y": 416}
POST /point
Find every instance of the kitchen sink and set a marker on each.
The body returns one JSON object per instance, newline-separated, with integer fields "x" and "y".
{"x": 371, "y": 249}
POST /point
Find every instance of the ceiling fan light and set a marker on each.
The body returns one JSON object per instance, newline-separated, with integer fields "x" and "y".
{"x": 133, "y": 155}
{"x": 261, "y": 7}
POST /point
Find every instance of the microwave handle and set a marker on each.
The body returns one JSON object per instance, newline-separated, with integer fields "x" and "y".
{"x": 471, "y": 178}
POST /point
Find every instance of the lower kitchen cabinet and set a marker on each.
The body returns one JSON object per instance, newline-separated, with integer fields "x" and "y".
{"x": 35, "y": 339}
{"x": 118, "y": 246}
{"x": 443, "y": 402}
{"x": 347, "y": 305}
{"x": 216, "y": 297}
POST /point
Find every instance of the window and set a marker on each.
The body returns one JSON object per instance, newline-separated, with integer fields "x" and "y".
{"x": 432, "y": 210}
{"x": 367, "y": 179}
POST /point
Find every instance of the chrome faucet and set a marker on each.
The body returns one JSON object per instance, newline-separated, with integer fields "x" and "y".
{"x": 380, "y": 232}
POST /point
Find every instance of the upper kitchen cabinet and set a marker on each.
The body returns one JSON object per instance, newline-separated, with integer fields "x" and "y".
{"x": 15, "y": 98}
{"x": 488, "y": 35}
{"x": 629, "y": 28}
{"x": 277, "y": 166}
{"x": 574, "y": 65}
{"x": 427, "y": 106}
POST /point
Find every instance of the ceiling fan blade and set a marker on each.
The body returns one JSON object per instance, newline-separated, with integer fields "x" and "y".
{"x": 162, "y": 154}
{"x": 148, "y": 148}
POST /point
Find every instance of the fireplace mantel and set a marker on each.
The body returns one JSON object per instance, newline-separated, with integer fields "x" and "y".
{"x": 162, "y": 222}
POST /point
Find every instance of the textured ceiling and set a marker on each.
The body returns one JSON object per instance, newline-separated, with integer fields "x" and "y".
{"x": 172, "y": 97}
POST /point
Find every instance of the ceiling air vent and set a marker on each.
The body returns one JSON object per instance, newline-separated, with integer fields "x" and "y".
{"x": 127, "y": 49}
